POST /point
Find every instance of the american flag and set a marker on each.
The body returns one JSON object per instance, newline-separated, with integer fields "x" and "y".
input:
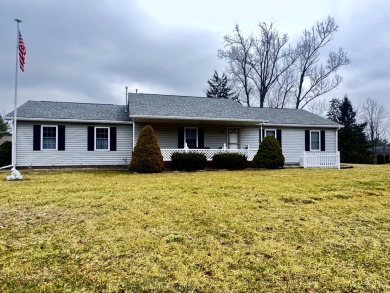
{"x": 22, "y": 52}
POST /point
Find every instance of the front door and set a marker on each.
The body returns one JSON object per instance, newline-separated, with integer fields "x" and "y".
{"x": 233, "y": 138}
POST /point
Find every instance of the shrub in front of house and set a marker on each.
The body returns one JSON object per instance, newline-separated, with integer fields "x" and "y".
{"x": 147, "y": 156}
{"x": 380, "y": 159}
{"x": 190, "y": 161}
{"x": 269, "y": 155}
{"x": 6, "y": 154}
{"x": 230, "y": 161}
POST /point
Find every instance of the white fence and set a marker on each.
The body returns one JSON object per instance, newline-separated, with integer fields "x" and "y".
{"x": 320, "y": 160}
{"x": 209, "y": 153}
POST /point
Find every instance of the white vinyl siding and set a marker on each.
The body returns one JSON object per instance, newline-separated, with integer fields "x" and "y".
{"x": 76, "y": 152}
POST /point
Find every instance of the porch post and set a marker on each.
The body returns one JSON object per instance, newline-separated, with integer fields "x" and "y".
{"x": 337, "y": 149}
{"x": 133, "y": 132}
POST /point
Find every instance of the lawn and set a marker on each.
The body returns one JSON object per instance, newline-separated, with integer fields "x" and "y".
{"x": 290, "y": 230}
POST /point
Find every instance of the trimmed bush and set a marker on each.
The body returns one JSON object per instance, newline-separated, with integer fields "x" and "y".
{"x": 269, "y": 155}
{"x": 230, "y": 161}
{"x": 190, "y": 161}
{"x": 147, "y": 156}
{"x": 6, "y": 154}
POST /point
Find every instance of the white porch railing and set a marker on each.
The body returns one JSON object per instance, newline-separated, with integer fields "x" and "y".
{"x": 320, "y": 160}
{"x": 209, "y": 153}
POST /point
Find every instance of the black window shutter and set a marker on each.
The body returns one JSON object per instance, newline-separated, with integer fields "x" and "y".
{"x": 180, "y": 137}
{"x": 307, "y": 140}
{"x": 262, "y": 135}
{"x": 61, "y": 137}
{"x": 37, "y": 138}
{"x": 91, "y": 138}
{"x": 322, "y": 140}
{"x": 201, "y": 137}
{"x": 279, "y": 136}
{"x": 113, "y": 139}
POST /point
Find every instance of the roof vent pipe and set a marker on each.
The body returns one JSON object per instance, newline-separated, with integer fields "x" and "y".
{"x": 136, "y": 91}
{"x": 127, "y": 101}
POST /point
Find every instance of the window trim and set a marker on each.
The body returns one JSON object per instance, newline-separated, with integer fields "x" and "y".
{"x": 319, "y": 141}
{"x": 197, "y": 135}
{"x": 108, "y": 144}
{"x": 265, "y": 132}
{"x": 53, "y": 126}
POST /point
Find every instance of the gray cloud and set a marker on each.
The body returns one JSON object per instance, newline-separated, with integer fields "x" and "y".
{"x": 83, "y": 49}
{"x": 89, "y": 50}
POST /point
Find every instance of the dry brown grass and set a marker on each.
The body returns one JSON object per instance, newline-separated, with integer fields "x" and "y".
{"x": 249, "y": 231}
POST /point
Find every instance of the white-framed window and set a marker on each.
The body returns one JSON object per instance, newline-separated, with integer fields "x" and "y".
{"x": 191, "y": 137}
{"x": 49, "y": 137}
{"x": 102, "y": 138}
{"x": 315, "y": 140}
{"x": 270, "y": 132}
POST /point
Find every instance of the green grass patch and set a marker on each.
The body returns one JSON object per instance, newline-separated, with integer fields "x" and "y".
{"x": 290, "y": 230}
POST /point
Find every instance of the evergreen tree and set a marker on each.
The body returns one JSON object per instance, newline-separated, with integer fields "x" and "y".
{"x": 147, "y": 156}
{"x": 352, "y": 141}
{"x": 269, "y": 155}
{"x": 219, "y": 89}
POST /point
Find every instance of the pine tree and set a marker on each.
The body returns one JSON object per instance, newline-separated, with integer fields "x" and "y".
{"x": 219, "y": 88}
{"x": 352, "y": 141}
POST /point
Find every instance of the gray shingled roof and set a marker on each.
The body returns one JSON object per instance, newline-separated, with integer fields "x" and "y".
{"x": 170, "y": 107}
{"x": 144, "y": 105}
{"x": 71, "y": 111}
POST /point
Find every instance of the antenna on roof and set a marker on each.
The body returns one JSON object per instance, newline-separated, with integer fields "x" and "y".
{"x": 127, "y": 100}
{"x": 136, "y": 91}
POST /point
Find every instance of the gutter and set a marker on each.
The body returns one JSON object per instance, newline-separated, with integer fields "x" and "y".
{"x": 196, "y": 118}
{"x": 72, "y": 120}
{"x": 299, "y": 125}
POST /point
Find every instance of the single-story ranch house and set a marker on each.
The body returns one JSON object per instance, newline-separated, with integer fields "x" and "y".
{"x": 82, "y": 134}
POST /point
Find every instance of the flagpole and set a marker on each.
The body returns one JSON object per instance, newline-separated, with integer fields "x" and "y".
{"x": 16, "y": 95}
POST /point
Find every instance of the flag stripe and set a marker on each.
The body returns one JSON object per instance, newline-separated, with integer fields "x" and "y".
{"x": 22, "y": 52}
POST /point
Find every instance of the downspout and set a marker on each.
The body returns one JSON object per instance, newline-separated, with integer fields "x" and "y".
{"x": 261, "y": 132}
{"x": 133, "y": 132}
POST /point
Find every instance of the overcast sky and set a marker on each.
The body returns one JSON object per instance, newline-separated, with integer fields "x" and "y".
{"x": 88, "y": 51}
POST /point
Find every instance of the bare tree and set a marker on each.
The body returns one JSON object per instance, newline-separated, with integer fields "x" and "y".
{"x": 280, "y": 94}
{"x": 270, "y": 60}
{"x": 314, "y": 78}
{"x": 238, "y": 50}
{"x": 265, "y": 66}
{"x": 319, "y": 107}
{"x": 375, "y": 116}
